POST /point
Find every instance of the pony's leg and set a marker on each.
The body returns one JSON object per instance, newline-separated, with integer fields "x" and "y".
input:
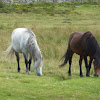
{"x": 17, "y": 57}
{"x": 90, "y": 62}
{"x": 86, "y": 65}
{"x": 70, "y": 62}
{"x": 30, "y": 64}
{"x": 26, "y": 62}
{"x": 80, "y": 64}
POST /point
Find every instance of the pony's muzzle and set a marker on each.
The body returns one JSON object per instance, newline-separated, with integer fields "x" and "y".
{"x": 97, "y": 75}
{"x": 39, "y": 74}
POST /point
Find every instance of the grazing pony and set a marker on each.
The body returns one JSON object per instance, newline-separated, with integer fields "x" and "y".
{"x": 24, "y": 41}
{"x": 83, "y": 45}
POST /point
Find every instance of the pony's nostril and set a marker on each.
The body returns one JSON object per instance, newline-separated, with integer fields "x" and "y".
{"x": 96, "y": 75}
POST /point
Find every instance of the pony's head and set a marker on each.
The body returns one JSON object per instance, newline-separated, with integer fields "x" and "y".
{"x": 38, "y": 66}
{"x": 96, "y": 64}
{"x": 96, "y": 71}
{"x": 35, "y": 53}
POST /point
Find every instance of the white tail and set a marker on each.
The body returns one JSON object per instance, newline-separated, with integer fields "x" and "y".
{"x": 10, "y": 52}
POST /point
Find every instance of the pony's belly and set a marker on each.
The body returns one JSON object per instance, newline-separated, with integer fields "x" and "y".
{"x": 77, "y": 50}
{"x": 75, "y": 45}
{"x": 20, "y": 48}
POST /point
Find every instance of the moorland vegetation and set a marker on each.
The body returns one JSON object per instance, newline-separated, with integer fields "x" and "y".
{"x": 52, "y": 23}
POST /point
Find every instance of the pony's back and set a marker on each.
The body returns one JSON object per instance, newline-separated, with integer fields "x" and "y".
{"x": 19, "y": 39}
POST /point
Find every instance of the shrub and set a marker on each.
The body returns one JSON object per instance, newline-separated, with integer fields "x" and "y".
{"x": 43, "y": 7}
{"x": 1, "y": 4}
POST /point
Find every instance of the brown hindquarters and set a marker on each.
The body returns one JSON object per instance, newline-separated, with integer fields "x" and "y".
{"x": 76, "y": 44}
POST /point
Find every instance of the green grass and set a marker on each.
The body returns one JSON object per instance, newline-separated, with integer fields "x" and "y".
{"x": 52, "y": 32}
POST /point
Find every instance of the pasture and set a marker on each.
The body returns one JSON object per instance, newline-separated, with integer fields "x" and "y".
{"x": 52, "y": 31}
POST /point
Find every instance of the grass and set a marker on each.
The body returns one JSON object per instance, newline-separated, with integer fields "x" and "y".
{"x": 52, "y": 34}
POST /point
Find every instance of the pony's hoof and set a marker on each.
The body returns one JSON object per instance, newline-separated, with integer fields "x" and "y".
{"x": 87, "y": 75}
{"x": 28, "y": 72}
{"x": 18, "y": 71}
{"x": 81, "y": 76}
{"x": 69, "y": 74}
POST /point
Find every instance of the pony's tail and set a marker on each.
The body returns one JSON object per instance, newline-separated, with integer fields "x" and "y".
{"x": 66, "y": 56}
{"x": 9, "y": 52}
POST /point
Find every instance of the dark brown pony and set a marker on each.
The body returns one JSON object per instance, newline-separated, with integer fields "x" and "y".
{"x": 83, "y": 44}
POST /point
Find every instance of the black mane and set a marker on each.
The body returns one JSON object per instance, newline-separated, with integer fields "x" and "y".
{"x": 90, "y": 44}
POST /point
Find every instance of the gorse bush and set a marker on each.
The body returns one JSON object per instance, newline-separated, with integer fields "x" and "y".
{"x": 37, "y": 7}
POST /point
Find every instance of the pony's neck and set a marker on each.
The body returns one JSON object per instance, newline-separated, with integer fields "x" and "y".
{"x": 97, "y": 57}
{"x": 97, "y": 54}
{"x": 36, "y": 52}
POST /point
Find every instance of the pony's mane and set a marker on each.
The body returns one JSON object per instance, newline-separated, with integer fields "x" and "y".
{"x": 31, "y": 38}
{"x": 90, "y": 43}
{"x": 30, "y": 32}
{"x": 33, "y": 46}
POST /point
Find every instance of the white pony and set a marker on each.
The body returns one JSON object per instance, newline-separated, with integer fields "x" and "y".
{"x": 24, "y": 41}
